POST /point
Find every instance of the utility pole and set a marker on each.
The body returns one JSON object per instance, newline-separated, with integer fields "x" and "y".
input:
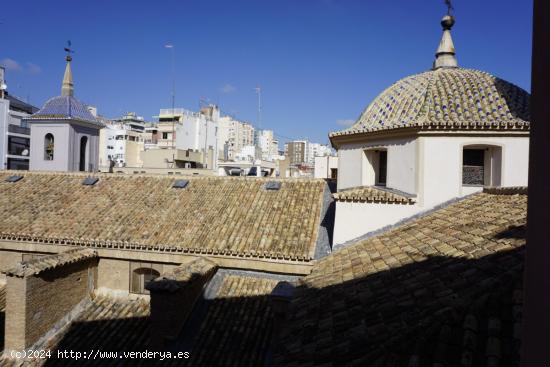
{"x": 258, "y": 90}
{"x": 171, "y": 47}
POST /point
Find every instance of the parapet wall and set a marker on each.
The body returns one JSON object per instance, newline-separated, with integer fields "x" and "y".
{"x": 42, "y": 291}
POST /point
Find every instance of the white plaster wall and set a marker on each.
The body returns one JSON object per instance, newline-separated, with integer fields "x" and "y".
{"x": 356, "y": 219}
{"x": 60, "y": 160}
{"x": 401, "y": 173}
{"x": 323, "y": 165}
{"x": 441, "y": 161}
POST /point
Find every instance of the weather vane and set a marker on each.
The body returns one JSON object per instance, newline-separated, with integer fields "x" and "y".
{"x": 69, "y": 51}
{"x": 449, "y": 6}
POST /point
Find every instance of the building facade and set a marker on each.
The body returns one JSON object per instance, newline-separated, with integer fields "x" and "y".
{"x": 14, "y": 133}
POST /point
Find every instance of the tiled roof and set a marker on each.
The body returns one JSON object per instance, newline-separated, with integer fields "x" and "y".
{"x": 373, "y": 194}
{"x": 38, "y": 265}
{"x": 237, "y": 328}
{"x": 181, "y": 276}
{"x": 446, "y": 98}
{"x": 213, "y": 216}
{"x": 108, "y": 324}
{"x": 65, "y": 108}
{"x": 443, "y": 290}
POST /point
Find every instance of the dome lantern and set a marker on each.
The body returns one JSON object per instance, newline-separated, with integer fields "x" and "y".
{"x": 445, "y": 56}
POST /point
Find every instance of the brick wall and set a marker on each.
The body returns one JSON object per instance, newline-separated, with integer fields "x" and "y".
{"x": 35, "y": 303}
{"x": 173, "y": 297}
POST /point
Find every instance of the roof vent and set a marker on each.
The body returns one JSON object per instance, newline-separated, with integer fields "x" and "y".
{"x": 14, "y": 178}
{"x": 90, "y": 181}
{"x": 273, "y": 185}
{"x": 180, "y": 184}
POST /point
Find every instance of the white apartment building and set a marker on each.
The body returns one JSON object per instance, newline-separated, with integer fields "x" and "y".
{"x": 198, "y": 132}
{"x": 14, "y": 133}
{"x": 122, "y": 141}
{"x": 269, "y": 147}
{"x": 233, "y": 136}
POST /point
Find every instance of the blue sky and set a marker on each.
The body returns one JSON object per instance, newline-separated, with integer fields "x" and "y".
{"x": 319, "y": 62}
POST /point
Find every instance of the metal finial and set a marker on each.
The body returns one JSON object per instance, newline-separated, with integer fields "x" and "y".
{"x": 69, "y": 51}
{"x": 450, "y": 7}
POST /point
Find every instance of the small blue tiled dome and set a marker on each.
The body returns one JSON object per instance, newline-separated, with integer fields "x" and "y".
{"x": 65, "y": 108}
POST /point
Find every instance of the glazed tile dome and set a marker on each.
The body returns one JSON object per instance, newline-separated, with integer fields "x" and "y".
{"x": 65, "y": 108}
{"x": 446, "y": 98}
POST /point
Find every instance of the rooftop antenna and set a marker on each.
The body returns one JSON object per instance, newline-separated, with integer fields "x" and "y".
{"x": 171, "y": 48}
{"x": 258, "y": 90}
{"x": 450, "y": 7}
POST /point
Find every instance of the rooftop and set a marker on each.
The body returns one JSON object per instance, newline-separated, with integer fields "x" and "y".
{"x": 442, "y": 290}
{"x": 446, "y": 98}
{"x": 64, "y": 108}
{"x": 211, "y": 215}
{"x": 373, "y": 194}
{"x": 38, "y": 265}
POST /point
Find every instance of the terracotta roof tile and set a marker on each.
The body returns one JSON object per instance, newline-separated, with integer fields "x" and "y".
{"x": 38, "y": 265}
{"x": 446, "y": 98}
{"x": 225, "y": 216}
{"x": 442, "y": 290}
{"x": 237, "y": 329}
{"x": 373, "y": 194}
{"x": 180, "y": 276}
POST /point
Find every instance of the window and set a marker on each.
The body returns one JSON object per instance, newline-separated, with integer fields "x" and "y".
{"x": 165, "y": 135}
{"x": 18, "y": 145}
{"x": 382, "y": 167}
{"x": 141, "y": 275}
{"x": 83, "y": 145}
{"x": 375, "y": 167}
{"x": 18, "y": 163}
{"x": 481, "y": 165}
{"x": 473, "y": 166}
{"x": 48, "y": 147}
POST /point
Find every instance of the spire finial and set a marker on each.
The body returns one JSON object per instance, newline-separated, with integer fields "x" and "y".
{"x": 445, "y": 56}
{"x": 67, "y": 88}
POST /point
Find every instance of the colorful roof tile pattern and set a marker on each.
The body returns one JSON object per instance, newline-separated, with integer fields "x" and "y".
{"x": 371, "y": 194}
{"x": 443, "y": 290}
{"x": 211, "y": 216}
{"x": 446, "y": 98}
{"x": 65, "y": 108}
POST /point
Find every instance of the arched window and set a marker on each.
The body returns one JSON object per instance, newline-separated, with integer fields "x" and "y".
{"x": 140, "y": 278}
{"x": 83, "y": 144}
{"x": 48, "y": 147}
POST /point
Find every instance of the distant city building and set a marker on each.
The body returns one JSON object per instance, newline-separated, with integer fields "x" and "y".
{"x": 233, "y": 136}
{"x": 189, "y": 138}
{"x": 122, "y": 141}
{"x": 267, "y": 144}
{"x": 64, "y": 134}
{"x": 14, "y": 133}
